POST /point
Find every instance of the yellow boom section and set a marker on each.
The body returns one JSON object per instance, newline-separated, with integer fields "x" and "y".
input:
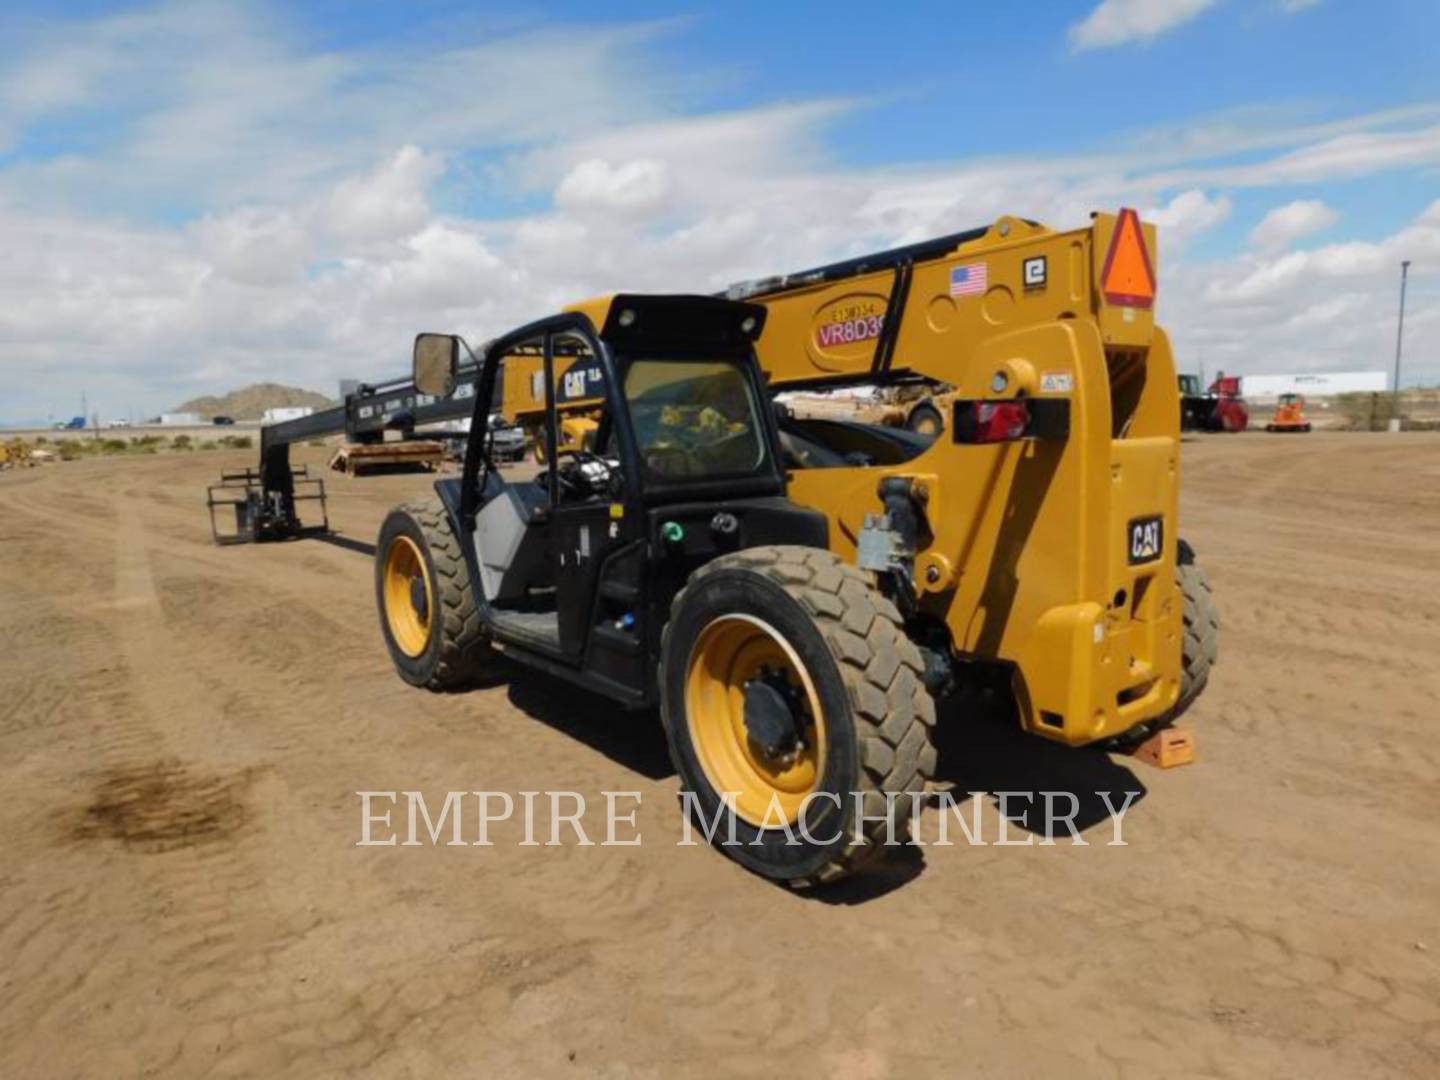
{"x": 828, "y": 332}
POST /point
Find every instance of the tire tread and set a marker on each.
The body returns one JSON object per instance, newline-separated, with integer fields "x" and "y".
{"x": 1200, "y": 648}
{"x": 464, "y": 648}
{"x": 879, "y": 665}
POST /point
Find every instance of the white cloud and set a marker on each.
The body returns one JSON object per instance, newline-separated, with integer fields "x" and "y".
{"x": 221, "y": 103}
{"x": 1329, "y": 308}
{"x": 1188, "y": 214}
{"x": 1284, "y": 225}
{"x": 741, "y": 152}
{"x": 389, "y": 203}
{"x": 1268, "y": 128}
{"x": 1119, "y": 22}
{"x": 1327, "y": 152}
{"x": 634, "y": 186}
{"x": 1290, "y": 7}
{"x": 254, "y": 246}
{"x": 342, "y": 202}
{"x": 1345, "y": 156}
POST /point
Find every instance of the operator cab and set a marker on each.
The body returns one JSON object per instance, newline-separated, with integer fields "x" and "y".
{"x": 565, "y": 553}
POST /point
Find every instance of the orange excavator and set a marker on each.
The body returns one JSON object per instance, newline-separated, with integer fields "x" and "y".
{"x": 1289, "y": 415}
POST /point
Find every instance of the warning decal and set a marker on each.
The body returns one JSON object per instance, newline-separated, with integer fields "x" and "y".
{"x": 1128, "y": 279}
{"x": 1056, "y": 382}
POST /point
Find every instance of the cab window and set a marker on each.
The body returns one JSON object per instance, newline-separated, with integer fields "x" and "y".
{"x": 693, "y": 418}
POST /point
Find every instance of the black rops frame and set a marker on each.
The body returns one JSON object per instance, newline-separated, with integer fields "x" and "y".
{"x": 490, "y": 364}
{"x": 673, "y": 327}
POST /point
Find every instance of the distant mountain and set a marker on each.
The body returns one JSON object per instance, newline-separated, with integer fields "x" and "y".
{"x": 250, "y": 402}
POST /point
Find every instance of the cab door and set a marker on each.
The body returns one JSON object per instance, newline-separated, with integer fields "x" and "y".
{"x": 597, "y": 546}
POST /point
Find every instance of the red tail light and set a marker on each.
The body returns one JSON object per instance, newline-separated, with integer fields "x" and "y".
{"x": 991, "y": 421}
{"x": 1011, "y": 419}
{"x": 1001, "y": 421}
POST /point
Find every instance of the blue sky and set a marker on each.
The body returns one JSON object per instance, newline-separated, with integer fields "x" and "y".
{"x": 197, "y": 196}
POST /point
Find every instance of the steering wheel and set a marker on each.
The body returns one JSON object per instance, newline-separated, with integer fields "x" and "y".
{"x": 573, "y": 476}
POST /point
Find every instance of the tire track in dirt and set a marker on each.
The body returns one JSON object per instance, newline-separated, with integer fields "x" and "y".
{"x": 222, "y": 933}
{"x": 169, "y": 828}
{"x": 173, "y": 826}
{"x": 209, "y": 903}
{"x": 1263, "y": 921}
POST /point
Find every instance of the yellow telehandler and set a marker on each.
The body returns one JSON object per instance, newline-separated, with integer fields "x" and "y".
{"x": 795, "y": 594}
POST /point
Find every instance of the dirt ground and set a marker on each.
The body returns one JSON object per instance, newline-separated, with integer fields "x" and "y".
{"x": 183, "y": 730}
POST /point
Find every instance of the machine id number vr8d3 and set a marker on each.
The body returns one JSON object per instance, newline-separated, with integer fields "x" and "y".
{"x": 1147, "y": 539}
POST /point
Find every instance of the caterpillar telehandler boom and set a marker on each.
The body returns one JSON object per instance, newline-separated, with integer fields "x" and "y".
{"x": 794, "y": 594}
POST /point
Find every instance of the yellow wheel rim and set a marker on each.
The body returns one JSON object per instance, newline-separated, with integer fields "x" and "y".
{"x": 926, "y": 425}
{"x": 406, "y": 580}
{"x": 729, "y": 653}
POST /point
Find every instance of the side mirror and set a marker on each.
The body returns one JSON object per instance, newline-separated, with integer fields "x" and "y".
{"x": 436, "y": 360}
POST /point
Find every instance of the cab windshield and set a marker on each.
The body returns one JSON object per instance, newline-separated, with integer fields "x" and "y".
{"x": 693, "y": 419}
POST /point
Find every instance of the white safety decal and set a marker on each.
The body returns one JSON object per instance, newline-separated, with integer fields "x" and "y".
{"x": 1056, "y": 382}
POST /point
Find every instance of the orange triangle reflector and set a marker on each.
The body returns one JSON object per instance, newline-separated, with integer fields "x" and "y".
{"x": 1128, "y": 279}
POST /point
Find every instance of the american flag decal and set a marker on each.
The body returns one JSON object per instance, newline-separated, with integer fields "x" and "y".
{"x": 967, "y": 280}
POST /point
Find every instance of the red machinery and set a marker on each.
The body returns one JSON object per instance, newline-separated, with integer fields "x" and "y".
{"x": 1230, "y": 413}
{"x": 1221, "y": 408}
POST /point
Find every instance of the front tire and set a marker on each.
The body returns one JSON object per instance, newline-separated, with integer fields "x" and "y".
{"x": 427, "y": 607}
{"x": 794, "y": 638}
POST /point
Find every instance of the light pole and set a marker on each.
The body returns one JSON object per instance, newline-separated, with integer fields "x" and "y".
{"x": 1400, "y": 330}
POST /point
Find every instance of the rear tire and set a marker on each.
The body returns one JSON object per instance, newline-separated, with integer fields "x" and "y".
{"x": 427, "y": 607}
{"x": 863, "y": 716}
{"x": 1201, "y": 644}
{"x": 1199, "y": 649}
